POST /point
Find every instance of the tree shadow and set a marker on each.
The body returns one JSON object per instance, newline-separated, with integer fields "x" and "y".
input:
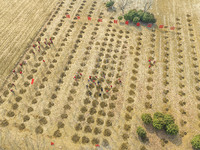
{"x": 175, "y": 139}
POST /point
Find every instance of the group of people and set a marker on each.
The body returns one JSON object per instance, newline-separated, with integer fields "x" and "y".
{"x": 24, "y": 62}
{"x": 95, "y": 81}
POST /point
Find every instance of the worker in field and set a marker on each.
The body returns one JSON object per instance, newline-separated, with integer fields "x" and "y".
{"x": 14, "y": 72}
{"x": 12, "y": 91}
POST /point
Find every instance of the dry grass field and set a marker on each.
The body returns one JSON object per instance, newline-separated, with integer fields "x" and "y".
{"x": 57, "y": 108}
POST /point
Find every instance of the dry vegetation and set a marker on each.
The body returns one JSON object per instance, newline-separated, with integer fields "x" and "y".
{"x": 76, "y": 115}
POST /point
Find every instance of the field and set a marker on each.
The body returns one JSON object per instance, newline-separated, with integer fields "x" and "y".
{"x": 62, "y": 106}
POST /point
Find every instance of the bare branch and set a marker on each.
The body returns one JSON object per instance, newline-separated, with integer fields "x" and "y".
{"x": 147, "y": 4}
{"x": 122, "y": 5}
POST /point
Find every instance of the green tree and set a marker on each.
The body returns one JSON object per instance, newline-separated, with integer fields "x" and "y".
{"x": 146, "y": 118}
{"x": 110, "y": 4}
{"x": 140, "y": 14}
{"x": 141, "y": 132}
{"x": 126, "y": 17}
{"x": 136, "y": 20}
{"x": 132, "y": 14}
{"x": 196, "y": 142}
{"x": 172, "y": 129}
{"x": 168, "y": 119}
{"x": 120, "y": 18}
{"x": 148, "y": 18}
{"x": 158, "y": 123}
{"x": 158, "y": 115}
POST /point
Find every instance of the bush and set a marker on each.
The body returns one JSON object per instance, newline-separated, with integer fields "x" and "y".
{"x": 120, "y": 18}
{"x": 172, "y": 129}
{"x": 136, "y": 20}
{"x": 140, "y": 14}
{"x": 158, "y": 123}
{"x": 196, "y": 142}
{"x": 158, "y": 115}
{"x": 148, "y": 18}
{"x": 110, "y": 4}
{"x": 141, "y": 132}
{"x": 168, "y": 119}
{"x": 126, "y": 17}
{"x": 132, "y": 14}
{"x": 146, "y": 118}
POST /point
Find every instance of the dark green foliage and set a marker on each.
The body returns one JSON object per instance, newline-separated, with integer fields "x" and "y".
{"x": 141, "y": 132}
{"x": 132, "y": 14}
{"x": 136, "y": 20}
{"x": 146, "y": 118}
{"x": 158, "y": 123}
{"x": 110, "y": 4}
{"x": 120, "y": 18}
{"x": 148, "y": 18}
{"x": 126, "y": 17}
{"x": 196, "y": 142}
{"x": 172, "y": 129}
{"x": 158, "y": 120}
{"x": 140, "y": 13}
{"x": 158, "y": 115}
{"x": 168, "y": 119}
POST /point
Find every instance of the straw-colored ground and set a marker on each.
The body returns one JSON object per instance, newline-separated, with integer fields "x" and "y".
{"x": 56, "y": 108}
{"x": 20, "y": 23}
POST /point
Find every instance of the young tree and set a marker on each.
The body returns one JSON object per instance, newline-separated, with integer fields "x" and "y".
{"x": 120, "y": 18}
{"x": 158, "y": 120}
{"x": 148, "y": 18}
{"x": 168, "y": 119}
{"x": 122, "y": 5}
{"x": 172, "y": 129}
{"x": 126, "y": 17}
{"x": 196, "y": 142}
{"x": 110, "y": 4}
{"x": 136, "y": 20}
{"x": 140, "y": 14}
{"x": 146, "y": 118}
{"x": 158, "y": 123}
{"x": 158, "y": 115}
{"x": 141, "y": 132}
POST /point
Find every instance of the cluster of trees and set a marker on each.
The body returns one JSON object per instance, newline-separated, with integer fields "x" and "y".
{"x": 161, "y": 121}
{"x": 137, "y": 16}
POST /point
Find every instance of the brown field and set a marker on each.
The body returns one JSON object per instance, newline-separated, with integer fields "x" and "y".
{"x": 56, "y": 108}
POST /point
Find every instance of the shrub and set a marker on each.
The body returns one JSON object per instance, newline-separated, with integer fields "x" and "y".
{"x": 110, "y": 4}
{"x": 132, "y": 14}
{"x": 141, "y": 132}
{"x": 126, "y": 17}
{"x": 168, "y": 119}
{"x": 196, "y": 142}
{"x": 158, "y": 123}
{"x": 148, "y": 18}
{"x": 146, "y": 118}
{"x": 140, "y": 14}
{"x": 136, "y": 20}
{"x": 172, "y": 129}
{"x": 120, "y": 18}
{"x": 158, "y": 115}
